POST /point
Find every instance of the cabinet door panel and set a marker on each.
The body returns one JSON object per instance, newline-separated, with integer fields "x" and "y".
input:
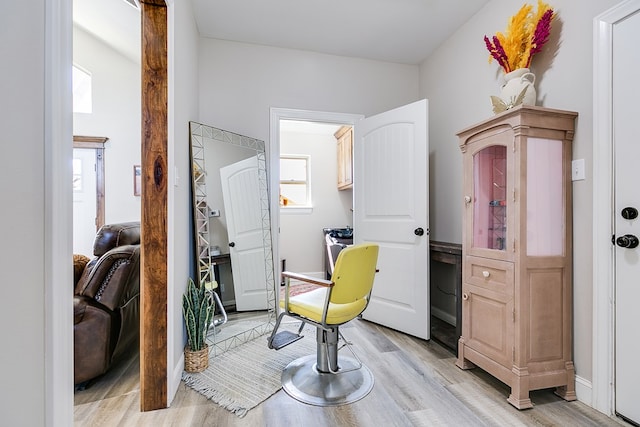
{"x": 491, "y": 332}
{"x": 488, "y": 190}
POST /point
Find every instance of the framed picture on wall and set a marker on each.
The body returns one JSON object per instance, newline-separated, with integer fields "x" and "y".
{"x": 137, "y": 180}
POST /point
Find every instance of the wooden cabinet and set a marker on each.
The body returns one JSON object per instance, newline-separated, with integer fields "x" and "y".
{"x": 344, "y": 136}
{"x": 517, "y": 230}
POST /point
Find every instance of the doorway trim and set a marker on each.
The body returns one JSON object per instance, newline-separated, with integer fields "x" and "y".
{"x": 603, "y": 365}
{"x": 95, "y": 143}
{"x": 57, "y": 225}
{"x": 58, "y": 360}
{"x": 275, "y": 115}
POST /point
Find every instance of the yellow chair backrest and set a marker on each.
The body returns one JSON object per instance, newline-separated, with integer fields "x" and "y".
{"x": 354, "y": 273}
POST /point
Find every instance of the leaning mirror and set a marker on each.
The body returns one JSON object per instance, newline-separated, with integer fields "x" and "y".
{"x": 232, "y": 232}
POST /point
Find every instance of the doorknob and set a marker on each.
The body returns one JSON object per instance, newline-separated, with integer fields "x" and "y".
{"x": 629, "y": 213}
{"x": 627, "y": 241}
{"x": 418, "y": 231}
{"x": 232, "y": 244}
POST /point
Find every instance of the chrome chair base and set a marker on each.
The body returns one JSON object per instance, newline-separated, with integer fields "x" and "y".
{"x": 302, "y": 381}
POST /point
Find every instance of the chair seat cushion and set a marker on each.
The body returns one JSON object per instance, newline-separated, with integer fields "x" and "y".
{"x": 310, "y": 305}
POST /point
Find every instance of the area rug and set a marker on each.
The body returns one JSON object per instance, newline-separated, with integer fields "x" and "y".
{"x": 245, "y": 376}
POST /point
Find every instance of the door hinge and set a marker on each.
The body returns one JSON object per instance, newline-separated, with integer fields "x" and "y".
{"x": 513, "y": 312}
{"x": 514, "y": 195}
{"x": 513, "y": 354}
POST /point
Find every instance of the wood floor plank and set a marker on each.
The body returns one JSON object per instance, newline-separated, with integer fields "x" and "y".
{"x": 416, "y": 384}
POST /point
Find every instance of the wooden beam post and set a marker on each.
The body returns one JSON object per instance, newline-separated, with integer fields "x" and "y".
{"x": 153, "y": 262}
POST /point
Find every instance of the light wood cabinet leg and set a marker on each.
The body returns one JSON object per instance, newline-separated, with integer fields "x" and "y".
{"x": 568, "y": 392}
{"x": 519, "y": 396}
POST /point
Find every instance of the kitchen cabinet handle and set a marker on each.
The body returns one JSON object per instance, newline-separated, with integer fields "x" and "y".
{"x": 486, "y": 274}
{"x": 465, "y": 296}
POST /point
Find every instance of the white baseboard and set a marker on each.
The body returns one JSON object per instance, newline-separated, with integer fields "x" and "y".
{"x": 584, "y": 390}
{"x": 443, "y": 315}
{"x": 175, "y": 378}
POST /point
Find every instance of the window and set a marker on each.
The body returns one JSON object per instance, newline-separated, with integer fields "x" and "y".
{"x": 81, "y": 91}
{"x": 295, "y": 188}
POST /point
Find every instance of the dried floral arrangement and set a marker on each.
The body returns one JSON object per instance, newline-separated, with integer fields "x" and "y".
{"x": 526, "y": 33}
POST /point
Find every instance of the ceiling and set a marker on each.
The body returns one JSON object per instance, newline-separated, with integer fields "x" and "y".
{"x": 402, "y": 31}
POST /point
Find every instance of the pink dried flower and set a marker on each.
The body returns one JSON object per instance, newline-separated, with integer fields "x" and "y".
{"x": 541, "y": 34}
{"x": 497, "y": 52}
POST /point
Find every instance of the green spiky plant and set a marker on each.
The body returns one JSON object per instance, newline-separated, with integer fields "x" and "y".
{"x": 197, "y": 310}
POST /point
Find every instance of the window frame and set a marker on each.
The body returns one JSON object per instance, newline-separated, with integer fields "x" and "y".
{"x": 308, "y": 207}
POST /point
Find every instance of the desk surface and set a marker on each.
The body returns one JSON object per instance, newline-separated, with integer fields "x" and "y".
{"x": 450, "y": 248}
{"x": 220, "y": 259}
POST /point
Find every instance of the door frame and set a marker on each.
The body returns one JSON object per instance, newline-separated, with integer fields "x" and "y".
{"x": 95, "y": 143}
{"x": 275, "y": 115}
{"x": 58, "y": 361}
{"x": 603, "y": 349}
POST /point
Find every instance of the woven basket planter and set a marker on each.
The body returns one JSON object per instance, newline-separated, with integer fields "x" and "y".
{"x": 196, "y": 361}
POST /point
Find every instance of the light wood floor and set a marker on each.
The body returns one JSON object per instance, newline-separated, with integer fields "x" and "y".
{"x": 416, "y": 384}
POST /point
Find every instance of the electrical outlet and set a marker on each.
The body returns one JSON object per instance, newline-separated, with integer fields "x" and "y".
{"x": 577, "y": 170}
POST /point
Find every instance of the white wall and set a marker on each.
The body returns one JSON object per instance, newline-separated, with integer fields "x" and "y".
{"x": 458, "y": 81}
{"x": 240, "y": 82}
{"x": 116, "y": 115}
{"x": 183, "y": 107}
{"x": 21, "y": 177}
{"x": 301, "y": 234}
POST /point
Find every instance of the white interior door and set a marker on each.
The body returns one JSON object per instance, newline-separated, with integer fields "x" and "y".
{"x": 243, "y": 214}
{"x": 626, "y": 92}
{"x": 391, "y": 194}
{"x": 84, "y": 201}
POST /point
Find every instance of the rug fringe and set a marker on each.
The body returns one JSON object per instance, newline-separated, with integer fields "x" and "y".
{"x": 215, "y": 395}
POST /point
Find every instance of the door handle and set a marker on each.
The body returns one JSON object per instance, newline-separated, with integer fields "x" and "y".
{"x": 232, "y": 244}
{"x": 629, "y": 213}
{"x": 418, "y": 231}
{"x": 628, "y": 241}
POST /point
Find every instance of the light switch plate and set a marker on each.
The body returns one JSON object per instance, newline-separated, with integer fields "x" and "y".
{"x": 577, "y": 170}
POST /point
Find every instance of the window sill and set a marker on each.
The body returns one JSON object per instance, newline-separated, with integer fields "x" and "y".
{"x": 296, "y": 210}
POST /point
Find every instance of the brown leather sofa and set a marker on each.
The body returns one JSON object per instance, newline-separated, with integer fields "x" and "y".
{"x": 106, "y": 301}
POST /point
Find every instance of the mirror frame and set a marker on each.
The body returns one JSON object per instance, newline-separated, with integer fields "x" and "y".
{"x": 202, "y": 254}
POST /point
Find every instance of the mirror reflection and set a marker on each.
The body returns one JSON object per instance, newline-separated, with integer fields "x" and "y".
{"x": 232, "y": 232}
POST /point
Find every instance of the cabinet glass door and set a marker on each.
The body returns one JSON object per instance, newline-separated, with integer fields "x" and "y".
{"x": 489, "y": 198}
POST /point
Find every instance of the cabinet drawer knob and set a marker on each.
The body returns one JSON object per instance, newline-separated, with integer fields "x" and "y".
{"x": 486, "y": 274}
{"x": 465, "y": 296}
{"x": 467, "y": 199}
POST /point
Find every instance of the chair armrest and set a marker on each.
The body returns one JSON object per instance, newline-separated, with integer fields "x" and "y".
{"x": 308, "y": 279}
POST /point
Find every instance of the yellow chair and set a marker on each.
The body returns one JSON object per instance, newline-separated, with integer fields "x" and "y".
{"x": 324, "y": 379}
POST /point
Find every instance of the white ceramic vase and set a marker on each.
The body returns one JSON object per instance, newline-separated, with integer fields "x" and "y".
{"x": 514, "y": 83}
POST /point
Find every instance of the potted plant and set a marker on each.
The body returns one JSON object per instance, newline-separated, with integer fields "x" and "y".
{"x": 197, "y": 310}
